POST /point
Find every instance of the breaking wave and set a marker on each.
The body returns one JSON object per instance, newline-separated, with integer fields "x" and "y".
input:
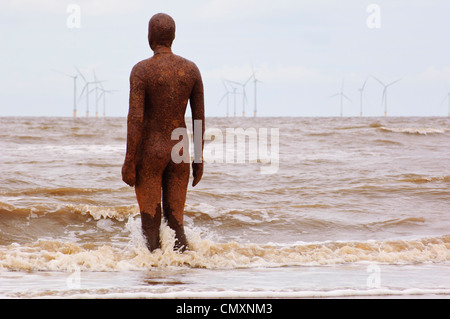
{"x": 413, "y": 130}
{"x": 53, "y": 255}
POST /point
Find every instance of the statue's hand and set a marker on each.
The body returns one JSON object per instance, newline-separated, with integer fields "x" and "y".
{"x": 129, "y": 173}
{"x": 197, "y": 172}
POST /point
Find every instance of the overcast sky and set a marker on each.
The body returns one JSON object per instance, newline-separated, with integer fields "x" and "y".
{"x": 300, "y": 50}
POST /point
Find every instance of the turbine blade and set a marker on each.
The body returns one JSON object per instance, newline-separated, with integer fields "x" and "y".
{"x": 251, "y": 66}
{"x": 71, "y": 76}
{"x": 234, "y": 82}
{"x": 97, "y": 82}
{"x": 345, "y": 96}
{"x": 79, "y": 72}
{"x": 364, "y": 85}
{"x": 393, "y": 82}
{"x": 225, "y": 85}
{"x": 334, "y": 95}
{"x": 224, "y": 96}
{"x": 378, "y": 80}
{"x": 82, "y": 91}
{"x": 248, "y": 80}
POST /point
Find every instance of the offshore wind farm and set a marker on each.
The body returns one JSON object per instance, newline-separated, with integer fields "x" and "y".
{"x": 237, "y": 93}
{"x": 342, "y": 97}
{"x": 311, "y": 197}
{"x": 90, "y": 86}
{"x": 383, "y": 100}
{"x": 231, "y": 88}
{"x": 384, "y": 96}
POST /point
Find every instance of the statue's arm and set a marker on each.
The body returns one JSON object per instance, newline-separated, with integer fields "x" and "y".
{"x": 134, "y": 126}
{"x": 198, "y": 122}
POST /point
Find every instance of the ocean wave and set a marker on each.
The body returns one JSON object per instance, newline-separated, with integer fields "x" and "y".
{"x": 60, "y": 191}
{"x": 387, "y": 142}
{"x": 203, "y": 211}
{"x": 420, "y": 179}
{"x": 24, "y": 224}
{"x": 71, "y": 212}
{"x": 413, "y": 130}
{"x": 52, "y": 255}
{"x": 68, "y": 211}
{"x": 119, "y": 213}
{"x": 398, "y": 222}
{"x": 375, "y": 125}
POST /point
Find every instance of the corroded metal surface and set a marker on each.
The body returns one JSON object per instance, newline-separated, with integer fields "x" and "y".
{"x": 160, "y": 88}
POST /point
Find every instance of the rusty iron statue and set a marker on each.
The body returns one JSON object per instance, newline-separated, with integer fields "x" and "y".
{"x": 160, "y": 88}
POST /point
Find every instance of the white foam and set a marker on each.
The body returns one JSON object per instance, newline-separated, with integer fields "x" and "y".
{"x": 205, "y": 253}
{"x": 414, "y": 130}
{"x": 105, "y": 224}
{"x": 99, "y": 212}
{"x": 339, "y": 293}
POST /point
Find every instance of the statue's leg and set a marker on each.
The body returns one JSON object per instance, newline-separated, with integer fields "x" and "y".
{"x": 175, "y": 184}
{"x": 148, "y": 194}
{"x": 150, "y": 228}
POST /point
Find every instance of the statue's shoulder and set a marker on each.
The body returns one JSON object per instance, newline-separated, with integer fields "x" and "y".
{"x": 140, "y": 66}
{"x": 187, "y": 63}
{"x": 139, "y": 69}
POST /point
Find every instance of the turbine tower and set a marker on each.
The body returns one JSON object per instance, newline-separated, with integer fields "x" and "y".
{"x": 361, "y": 91}
{"x": 86, "y": 88}
{"x": 99, "y": 86}
{"x": 74, "y": 77}
{"x": 384, "y": 96}
{"x": 226, "y": 95}
{"x": 255, "y": 82}
{"x": 244, "y": 95}
{"x": 234, "y": 92}
{"x": 96, "y": 94}
{"x": 103, "y": 94}
{"x": 342, "y": 95}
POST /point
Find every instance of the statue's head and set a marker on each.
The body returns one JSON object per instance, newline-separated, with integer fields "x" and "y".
{"x": 161, "y": 30}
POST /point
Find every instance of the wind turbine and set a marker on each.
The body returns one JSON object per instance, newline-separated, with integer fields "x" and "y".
{"x": 244, "y": 95}
{"x": 384, "y": 96}
{"x": 255, "y": 81}
{"x": 361, "y": 91}
{"x": 86, "y": 88}
{"x": 104, "y": 92}
{"x": 97, "y": 87}
{"x": 342, "y": 95}
{"x": 96, "y": 94}
{"x": 226, "y": 95}
{"x": 234, "y": 92}
{"x": 74, "y": 77}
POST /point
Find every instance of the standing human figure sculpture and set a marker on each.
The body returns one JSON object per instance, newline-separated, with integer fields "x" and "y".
{"x": 160, "y": 88}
